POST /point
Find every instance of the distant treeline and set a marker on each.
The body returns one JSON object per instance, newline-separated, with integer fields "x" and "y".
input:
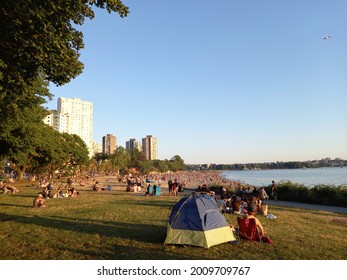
{"x": 270, "y": 165}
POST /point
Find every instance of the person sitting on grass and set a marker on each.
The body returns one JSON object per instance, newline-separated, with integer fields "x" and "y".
{"x": 251, "y": 203}
{"x": 59, "y": 193}
{"x": 222, "y": 203}
{"x": 97, "y": 186}
{"x": 71, "y": 192}
{"x": 39, "y": 202}
{"x": 251, "y": 212}
{"x": 8, "y": 188}
{"x": 235, "y": 204}
{"x": 45, "y": 192}
{"x": 5, "y": 189}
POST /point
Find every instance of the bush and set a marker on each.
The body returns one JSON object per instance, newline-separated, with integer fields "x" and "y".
{"x": 320, "y": 194}
{"x": 329, "y": 195}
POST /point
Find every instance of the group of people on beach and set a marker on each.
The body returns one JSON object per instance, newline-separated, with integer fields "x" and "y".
{"x": 175, "y": 186}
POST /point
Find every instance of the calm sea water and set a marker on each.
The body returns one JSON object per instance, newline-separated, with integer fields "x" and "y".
{"x": 310, "y": 177}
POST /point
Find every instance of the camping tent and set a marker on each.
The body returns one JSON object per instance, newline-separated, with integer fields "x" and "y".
{"x": 197, "y": 220}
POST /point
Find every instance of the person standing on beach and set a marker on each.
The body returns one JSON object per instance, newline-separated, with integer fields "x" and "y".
{"x": 170, "y": 184}
{"x": 175, "y": 187}
{"x": 274, "y": 190}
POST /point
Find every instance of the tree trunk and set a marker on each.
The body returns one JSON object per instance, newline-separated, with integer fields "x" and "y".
{"x": 20, "y": 172}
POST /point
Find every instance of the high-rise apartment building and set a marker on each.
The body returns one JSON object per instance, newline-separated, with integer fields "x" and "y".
{"x": 97, "y": 148}
{"x": 79, "y": 118}
{"x": 133, "y": 144}
{"x": 109, "y": 144}
{"x": 57, "y": 120}
{"x": 150, "y": 147}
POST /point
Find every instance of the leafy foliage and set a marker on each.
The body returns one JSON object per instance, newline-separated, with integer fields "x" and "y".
{"x": 41, "y": 36}
{"x": 39, "y": 44}
{"x": 319, "y": 194}
{"x": 121, "y": 159}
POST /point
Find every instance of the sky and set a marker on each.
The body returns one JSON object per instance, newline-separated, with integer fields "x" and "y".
{"x": 226, "y": 81}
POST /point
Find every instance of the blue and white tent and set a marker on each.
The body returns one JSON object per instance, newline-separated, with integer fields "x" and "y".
{"x": 197, "y": 220}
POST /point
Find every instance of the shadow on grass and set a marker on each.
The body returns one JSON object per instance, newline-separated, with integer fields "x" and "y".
{"x": 137, "y": 232}
{"x": 15, "y": 205}
{"x": 23, "y": 195}
{"x": 159, "y": 203}
{"x": 128, "y": 252}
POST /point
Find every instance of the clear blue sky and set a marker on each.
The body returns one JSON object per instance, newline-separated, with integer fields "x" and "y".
{"x": 227, "y": 81}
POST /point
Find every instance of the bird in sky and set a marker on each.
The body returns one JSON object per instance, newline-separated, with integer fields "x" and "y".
{"x": 327, "y": 38}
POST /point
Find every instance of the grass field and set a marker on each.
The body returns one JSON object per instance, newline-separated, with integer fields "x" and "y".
{"x": 119, "y": 225}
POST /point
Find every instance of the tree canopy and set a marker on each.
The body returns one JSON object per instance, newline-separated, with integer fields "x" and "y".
{"x": 41, "y": 37}
{"x": 40, "y": 44}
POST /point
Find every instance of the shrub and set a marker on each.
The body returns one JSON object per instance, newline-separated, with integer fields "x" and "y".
{"x": 329, "y": 195}
{"x": 320, "y": 194}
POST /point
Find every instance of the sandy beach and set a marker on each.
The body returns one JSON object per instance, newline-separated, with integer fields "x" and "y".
{"x": 190, "y": 179}
{"x": 196, "y": 178}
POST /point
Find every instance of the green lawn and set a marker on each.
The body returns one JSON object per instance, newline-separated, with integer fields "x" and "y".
{"x": 119, "y": 225}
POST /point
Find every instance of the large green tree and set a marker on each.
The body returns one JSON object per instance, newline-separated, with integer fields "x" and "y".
{"x": 136, "y": 157}
{"x": 120, "y": 159}
{"x": 50, "y": 153}
{"x": 41, "y": 36}
{"x": 176, "y": 163}
{"x": 78, "y": 152}
{"x": 22, "y": 130}
{"x": 39, "y": 44}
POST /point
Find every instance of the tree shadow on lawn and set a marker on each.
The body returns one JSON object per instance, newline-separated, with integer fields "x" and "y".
{"x": 15, "y": 205}
{"x": 137, "y": 232}
{"x": 147, "y": 203}
{"x": 128, "y": 252}
{"x": 23, "y": 195}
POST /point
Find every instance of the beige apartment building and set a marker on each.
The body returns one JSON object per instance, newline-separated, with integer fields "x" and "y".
{"x": 133, "y": 144}
{"x": 109, "y": 144}
{"x": 150, "y": 147}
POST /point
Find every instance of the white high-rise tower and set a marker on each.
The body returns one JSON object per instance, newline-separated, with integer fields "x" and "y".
{"x": 79, "y": 118}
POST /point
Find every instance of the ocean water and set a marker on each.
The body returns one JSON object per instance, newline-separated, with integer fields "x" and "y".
{"x": 310, "y": 177}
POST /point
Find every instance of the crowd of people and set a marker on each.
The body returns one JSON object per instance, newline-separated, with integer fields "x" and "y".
{"x": 50, "y": 191}
{"x": 238, "y": 203}
{"x": 246, "y": 202}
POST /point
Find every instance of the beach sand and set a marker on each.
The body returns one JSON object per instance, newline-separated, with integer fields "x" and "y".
{"x": 191, "y": 179}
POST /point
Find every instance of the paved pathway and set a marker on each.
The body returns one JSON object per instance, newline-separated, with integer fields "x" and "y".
{"x": 309, "y": 206}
